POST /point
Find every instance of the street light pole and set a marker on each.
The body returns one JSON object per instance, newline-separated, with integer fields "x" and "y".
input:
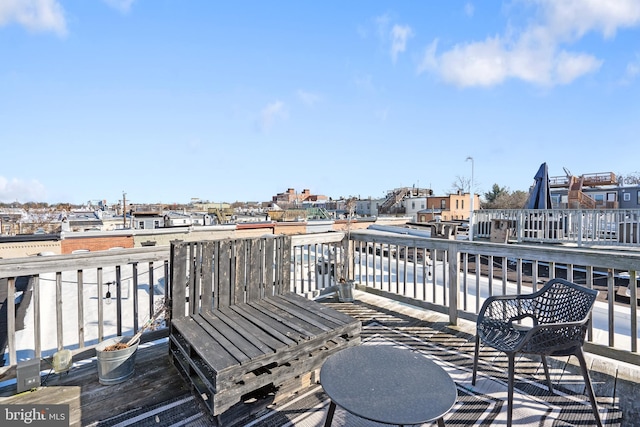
{"x": 472, "y": 197}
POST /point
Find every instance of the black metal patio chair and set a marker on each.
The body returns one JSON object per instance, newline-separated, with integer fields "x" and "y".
{"x": 550, "y": 322}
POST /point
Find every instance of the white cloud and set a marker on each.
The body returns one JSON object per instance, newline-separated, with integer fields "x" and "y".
{"x": 569, "y": 67}
{"x": 21, "y": 191}
{"x": 537, "y": 54}
{"x": 308, "y": 98}
{"x": 575, "y": 18}
{"x": 365, "y": 82}
{"x": 272, "y": 112}
{"x": 632, "y": 71}
{"x": 469, "y": 9}
{"x": 35, "y": 15}
{"x": 382, "y": 23}
{"x": 394, "y": 35}
{"x": 475, "y": 64}
{"x": 399, "y": 36}
{"x": 429, "y": 60}
{"x": 123, "y": 6}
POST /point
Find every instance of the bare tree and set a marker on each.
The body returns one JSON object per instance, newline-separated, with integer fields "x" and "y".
{"x": 461, "y": 184}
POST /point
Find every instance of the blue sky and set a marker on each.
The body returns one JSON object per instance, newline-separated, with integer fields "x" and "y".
{"x": 167, "y": 100}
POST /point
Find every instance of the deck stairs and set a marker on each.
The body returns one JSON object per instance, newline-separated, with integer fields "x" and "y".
{"x": 577, "y": 198}
{"x": 393, "y": 198}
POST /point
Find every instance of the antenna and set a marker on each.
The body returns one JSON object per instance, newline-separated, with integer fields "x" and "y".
{"x": 124, "y": 209}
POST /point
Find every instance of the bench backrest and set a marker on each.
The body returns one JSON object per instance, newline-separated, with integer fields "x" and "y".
{"x": 219, "y": 273}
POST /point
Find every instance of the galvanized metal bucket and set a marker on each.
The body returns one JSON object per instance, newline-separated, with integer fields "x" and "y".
{"x": 345, "y": 291}
{"x": 115, "y": 366}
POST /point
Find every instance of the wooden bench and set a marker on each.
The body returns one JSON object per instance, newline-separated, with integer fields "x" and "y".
{"x": 236, "y": 327}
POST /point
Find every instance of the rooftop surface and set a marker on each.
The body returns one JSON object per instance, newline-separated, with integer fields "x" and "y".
{"x": 157, "y": 395}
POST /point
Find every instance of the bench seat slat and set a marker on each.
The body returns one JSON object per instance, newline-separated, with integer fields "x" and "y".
{"x": 218, "y": 337}
{"x": 303, "y": 314}
{"x": 237, "y": 343}
{"x": 265, "y": 323}
{"x": 262, "y": 340}
{"x": 213, "y": 353}
{"x": 319, "y": 309}
{"x": 304, "y": 329}
{"x": 287, "y": 326}
{"x": 291, "y": 314}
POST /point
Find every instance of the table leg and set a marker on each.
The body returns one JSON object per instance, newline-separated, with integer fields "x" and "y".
{"x": 332, "y": 409}
{"x": 440, "y": 422}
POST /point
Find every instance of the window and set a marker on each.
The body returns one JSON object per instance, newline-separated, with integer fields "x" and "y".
{"x": 156, "y": 224}
{"x": 462, "y": 205}
{"x": 626, "y": 197}
{"x": 141, "y": 225}
{"x": 413, "y": 205}
{"x": 443, "y": 204}
{"x": 457, "y": 204}
{"x": 638, "y": 198}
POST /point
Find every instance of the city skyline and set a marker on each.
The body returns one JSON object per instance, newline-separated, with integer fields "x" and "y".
{"x": 169, "y": 101}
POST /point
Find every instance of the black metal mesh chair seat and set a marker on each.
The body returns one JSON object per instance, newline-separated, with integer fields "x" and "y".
{"x": 550, "y": 322}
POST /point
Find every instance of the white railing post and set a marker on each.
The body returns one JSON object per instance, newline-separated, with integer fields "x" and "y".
{"x": 454, "y": 280}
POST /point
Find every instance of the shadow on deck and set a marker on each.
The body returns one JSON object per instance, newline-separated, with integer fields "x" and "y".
{"x": 157, "y": 384}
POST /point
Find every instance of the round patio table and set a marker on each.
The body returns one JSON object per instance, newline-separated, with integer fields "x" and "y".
{"x": 388, "y": 385}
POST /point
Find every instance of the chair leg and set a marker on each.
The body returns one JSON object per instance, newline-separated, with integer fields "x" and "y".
{"x": 475, "y": 360}
{"x": 546, "y": 373}
{"x": 587, "y": 381}
{"x": 512, "y": 362}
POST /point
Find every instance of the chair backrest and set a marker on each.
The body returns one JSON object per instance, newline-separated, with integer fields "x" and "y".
{"x": 562, "y": 301}
{"x": 220, "y": 273}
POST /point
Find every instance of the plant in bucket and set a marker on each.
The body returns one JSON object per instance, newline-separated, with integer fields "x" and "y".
{"x": 345, "y": 283}
{"x": 116, "y": 356}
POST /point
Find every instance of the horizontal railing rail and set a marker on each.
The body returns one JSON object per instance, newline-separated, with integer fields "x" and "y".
{"x": 583, "y": 227}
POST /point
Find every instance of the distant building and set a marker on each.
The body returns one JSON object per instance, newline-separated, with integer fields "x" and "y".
{"x": 422, "y": 206}
{"x": 448, "y": 208}
{"x": 368, "y": 207}
{"x": 595, "y": 191}
{"x": 291, "y": 196}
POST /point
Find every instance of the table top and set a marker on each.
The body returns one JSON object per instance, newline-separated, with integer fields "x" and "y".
{"x": 388, "y": 384}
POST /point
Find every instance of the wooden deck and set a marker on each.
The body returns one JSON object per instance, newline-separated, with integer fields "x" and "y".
{"x": 157, "y": 381}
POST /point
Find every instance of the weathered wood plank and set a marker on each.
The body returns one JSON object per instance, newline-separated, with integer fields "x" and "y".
{"x": 178, "y": 274}
{"x": 278, "y": 330}
{"x": 224, "y": 283}
{"x": 207, "y": 276}
{"x": 254, "y": 284}
{"x": 320, "y": 310}
{"x": 260, "y": 339}
{"x": 303, "y": 315}
{"x": 235, "y": 339}
{"x": 213, "y": 353}
{"x": 243, "y": 266}
{"x": 280, "y": 314}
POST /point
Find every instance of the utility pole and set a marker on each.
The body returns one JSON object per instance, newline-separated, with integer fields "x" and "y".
{"x": 472, "y": 198}
{"x": 124, "y": 209}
